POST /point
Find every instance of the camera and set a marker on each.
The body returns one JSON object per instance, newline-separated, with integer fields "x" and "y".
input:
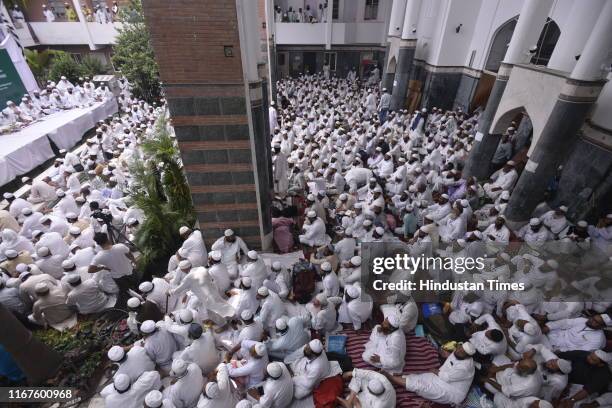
{"x": 103, "y": 216}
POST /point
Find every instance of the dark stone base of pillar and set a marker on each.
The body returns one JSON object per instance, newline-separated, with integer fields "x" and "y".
{"x": 482, "y": 151}
{"x": 440, "y": 89}
{"x": 586, "y": 182}
{"x": 552, "y": 147}
{"x": 465, "y": 92}
{"x": 387, "y": 81}
{"x": 402, "y": 76}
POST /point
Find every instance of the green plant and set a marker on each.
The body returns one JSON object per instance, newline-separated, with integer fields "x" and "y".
{"x": 64, "y": 64}
{"x": 160, "y": 190}
{"x": 91, "y": 66}
{"x": 39, "y": 62}
{"x": 133, "y": 54}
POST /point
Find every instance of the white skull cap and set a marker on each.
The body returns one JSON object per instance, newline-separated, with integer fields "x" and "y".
{"x": 154, "y": 399}
{"x": 276, "y": 265}
{"x": 316, "y": 346}
{"x": 260, "y": 349}
{"x": 252, "y": 254}
{"x": 67, "y": 264}
{"x": 148, "y": 326}
{"x": 216, "y": 255}
{"x": 145, "y": 287}
{"x": 185, "y": 264}
{"x": 43, "y": 251}
{"x": 356, "y": 260}
{"x": 326, "y": 266}
{"x": 179, "y": 366}
{"x": 468, "y": 348}
{"x": 186, "y": 316}
{"x": 121, "y": 382}
{"x": 275, "y": 370}
{"x": 183, "y": 230}
{"x": 375, "y": 386}
{"x": 280, "y": 324}
{"x": 133, "y": 302}
{"x": 115, "y": 353}
{"x": 246, "y": 315}
{"x": 263, "y": 291}
{"x": 228, "y": 233}
{"x": 212, "y": 390}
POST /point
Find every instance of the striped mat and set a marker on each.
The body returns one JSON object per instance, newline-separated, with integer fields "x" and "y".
{"x": 421, "y": 356}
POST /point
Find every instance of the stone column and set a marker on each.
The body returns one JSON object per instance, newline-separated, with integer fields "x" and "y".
{"x": 396, "y": 21}
{"x": 575, "y": 34}
{"x": 406, "y": 52}
{"x": 207, "y": 52}
{"x": 528, "y": 27}
{"x": 576, "y": 99}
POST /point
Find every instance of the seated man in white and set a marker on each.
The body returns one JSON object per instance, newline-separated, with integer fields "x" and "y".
{"x": 386, "y": 348}
{"x": 447, "y": 385}
{"x": 370, "y": 389}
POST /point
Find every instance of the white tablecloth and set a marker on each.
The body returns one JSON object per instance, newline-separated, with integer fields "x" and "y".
{"x": 22, "y": 151}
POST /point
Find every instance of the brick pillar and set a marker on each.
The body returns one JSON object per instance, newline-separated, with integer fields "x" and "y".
{"x": 218, "y": 115}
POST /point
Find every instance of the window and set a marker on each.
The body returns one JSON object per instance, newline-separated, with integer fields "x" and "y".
{"x": 499, "y": 45}
{"x": 546, "y": 43}
{"x": 371, "y": 10}
{"x": 57, "y": 6}
{"x": 330, "y": 59}
{"x": 336, "y": 10}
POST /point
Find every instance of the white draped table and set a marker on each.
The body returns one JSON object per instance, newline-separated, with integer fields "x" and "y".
{"x": 22, "y": 151}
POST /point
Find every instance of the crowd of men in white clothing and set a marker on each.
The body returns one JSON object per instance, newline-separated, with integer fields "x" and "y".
{"x": 56, "y": 97}
{"x": 224, "y": 328}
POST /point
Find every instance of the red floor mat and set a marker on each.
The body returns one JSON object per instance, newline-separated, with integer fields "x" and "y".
{"x": 421, "y": 356}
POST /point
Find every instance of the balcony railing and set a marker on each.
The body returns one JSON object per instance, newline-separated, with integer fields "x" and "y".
{"x": 342, "y": 33}
{"x": 67, "y": 33}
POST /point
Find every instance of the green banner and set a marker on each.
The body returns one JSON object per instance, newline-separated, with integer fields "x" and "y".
{"x": 11, "y": 87}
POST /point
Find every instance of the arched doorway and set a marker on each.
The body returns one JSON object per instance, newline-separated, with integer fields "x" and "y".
{"x": 546, "y": 43}
{"x": 499, "y": 44}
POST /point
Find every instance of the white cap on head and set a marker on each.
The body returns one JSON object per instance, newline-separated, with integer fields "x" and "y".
{"x": 68, "y": 264}
{"x": 356, "y": 260}
{"x": 326, "y": 266}
{"x": 393, "y": 319}
{"x": 530, "y": 329}
{"x": 60, "y": 193}
{"x": 263, "y": 291}
{"x": 212, "y": 390}
{"x": 311, "y": 214}
{"x": 185, "y": 264}
{"x": 133, "y": 302}
{"x": 582, "y": 224}
{"x": 216, "y": 255}
{"x": 74, "y": 231}
{"x": 505, "y": 195}
{"x": 534, "y": 221}
{"x": 179, "y": 367}
{"x": 43, "y": 251}
{"x": 148, "y": 326}
{"x": 469, "y": 348}
{"x": 252, "y": 255}
{"x": 186, "y": 316}
{"x": 260, "y": 349}
{"x": 380, "y": 230}
{"x": 375, "y": 386}
{"x": 280, "y": 324}
{"x": 343, "y": 197}
{"x": 121, "y": 382}
{"x": 606, "y": 318}
{"x": 21, "y": 267}
{"x": 246, "y": 315}
{"x": 41, "y": 287}
{"x": 367, "y": 222}
{"x": 26, "y": 211}
{"x": 352, "y": 291}
{"x": 275, "y": 370}
{"x": 603, "y": 356}
{"x": 115, "y": 353}
{"x": 145, "y": 287}
{"x": 316, "y": 346}
{"x": 247, "y": 282}
{"x": 183, "y": 230}
{"x": 277, "y": 266}
{"x": 564, "y": 365}
{"x": 563, "y": 208}
{"x": 228, "y": 233}
{"x": 8, "y": 196}
{"x": 154, "y": 399}
{"x": 11, "y": 253}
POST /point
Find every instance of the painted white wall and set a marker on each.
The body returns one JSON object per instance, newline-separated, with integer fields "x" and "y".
{"x": 535, "y": 90}
{"x": 453, "y": 47}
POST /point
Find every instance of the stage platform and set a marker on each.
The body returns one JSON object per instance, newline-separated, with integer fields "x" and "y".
{"x": 22, "y": 151}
